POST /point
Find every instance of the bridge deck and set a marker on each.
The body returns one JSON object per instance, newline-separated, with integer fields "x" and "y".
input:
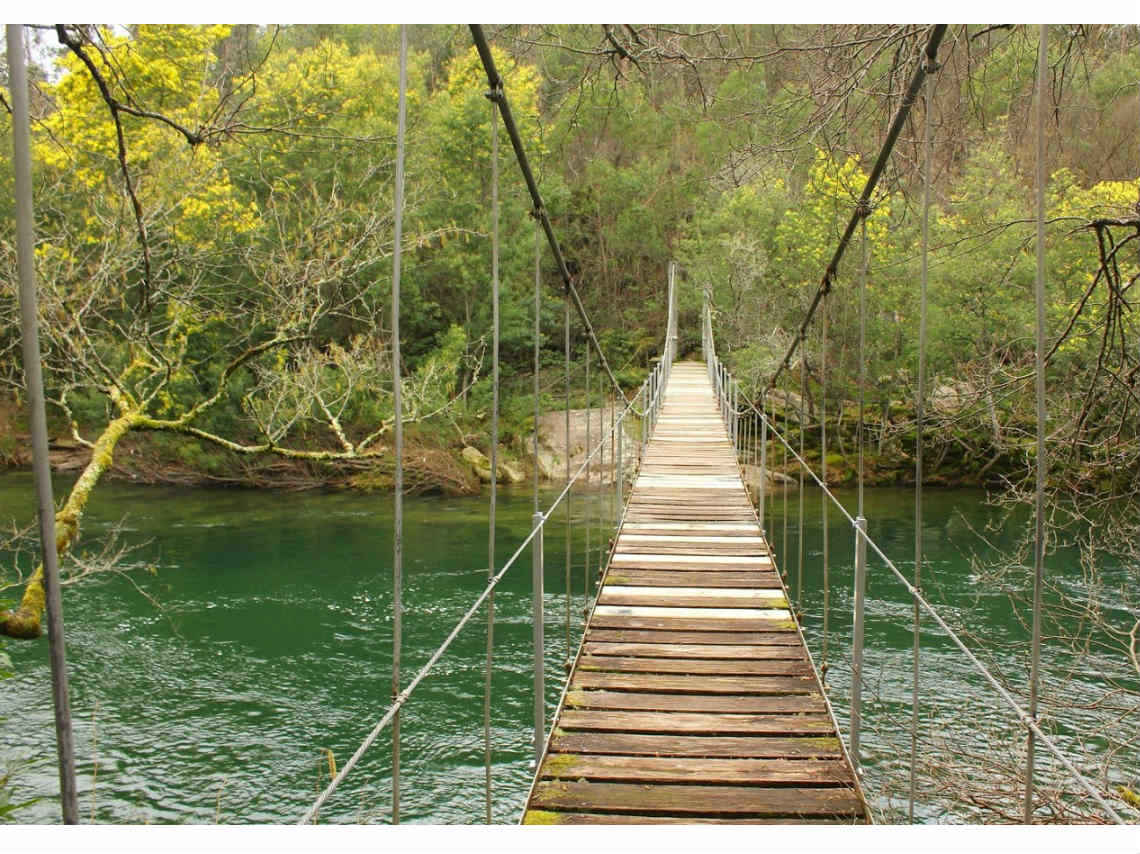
{"x": 693, "y": 698}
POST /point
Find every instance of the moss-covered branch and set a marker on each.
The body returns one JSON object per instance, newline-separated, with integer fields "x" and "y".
{"x": 26, "y": 621}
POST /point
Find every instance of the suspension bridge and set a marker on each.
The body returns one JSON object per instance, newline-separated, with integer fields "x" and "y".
{"x": 692, "y": 696}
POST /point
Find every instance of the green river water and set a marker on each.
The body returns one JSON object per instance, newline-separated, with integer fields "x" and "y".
{"x": 272, "y": 643}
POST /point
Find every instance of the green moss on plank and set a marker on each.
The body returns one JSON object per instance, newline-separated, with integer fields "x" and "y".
{"x": 560, "y": 765}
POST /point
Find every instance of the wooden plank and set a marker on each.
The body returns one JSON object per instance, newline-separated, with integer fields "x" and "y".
{"x": 617, "y": 596}
{"x": 668, "y": 769}
{"x": 694, "y": 684}
{"x": 698, "y": 800}
{"x": 788, "y": 704}
{"x": 695, "y": 723}
{"x": 733, "y": 652}
{"x": 776, "y": 638}
{"x": 750, "y": 667}
{"x": 727, "y": 746}
{"x": 619, "y": 621}
{"x": 694, "y": 565}
{"x": 668, "y": 610}
{"x": 550, "y": 817}
{"x": 694, "y": 578}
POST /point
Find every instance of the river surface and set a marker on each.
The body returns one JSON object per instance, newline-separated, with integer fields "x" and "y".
{"x": 264, "y": 641}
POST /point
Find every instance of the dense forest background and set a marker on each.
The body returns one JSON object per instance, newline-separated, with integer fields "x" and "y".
{"x": 215, "y": 227}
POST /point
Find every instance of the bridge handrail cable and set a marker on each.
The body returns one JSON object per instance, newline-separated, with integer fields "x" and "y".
{"x": 749, "y": 408}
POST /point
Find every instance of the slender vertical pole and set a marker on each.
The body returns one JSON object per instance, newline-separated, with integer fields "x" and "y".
{"x": 920, "y": 431}
{"x": 398, "y": 406}
{"x": 735, "y": 418}
{"x": 857, "y": 640}
{"x": 763, "y": 458}
{"x": 1042, "y": 468}
{"x": 803, "y": 398}
{"x": 494, "y": 453}
{"x": 825, "y": 311}
{"x": 859, "y": 429}
{"x": 537, "y": 344}
{"x": 33, "y": 373}
{"x": 537, "y": 619}
{"x": 619, "y": 471}
{"x": 566, "y": 349}
{"x": 537, "y": 520}
{"x": 645, "y": 417}
{"x": 589, "y": 449}
{"x": 784, "y": 558}
{"x": 860, "y": 520}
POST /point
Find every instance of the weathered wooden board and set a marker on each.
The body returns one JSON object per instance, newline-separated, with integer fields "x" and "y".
{"x": 668, "y": 769}
{"x": 693, "y": 723}
{"x": 734, "y": 652}
{"x": 786, "y": 704}
{"x": 693, "y": 699}
{"x": 750, "y": 667}
{"x": 739, "y": 746}
{"x": 699, "y": 800}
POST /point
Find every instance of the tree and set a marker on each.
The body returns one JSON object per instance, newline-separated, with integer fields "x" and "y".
{"x": 182, "y": 294}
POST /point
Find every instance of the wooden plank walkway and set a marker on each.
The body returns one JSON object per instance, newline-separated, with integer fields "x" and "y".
{"x": 693, "y": 699}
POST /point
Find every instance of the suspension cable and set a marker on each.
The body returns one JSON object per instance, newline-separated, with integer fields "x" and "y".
{"x": 423, "y": 672}
{"x": 586, "y": 498}
{"x": 930, "y": 53}
{"x": 859, "y": 436}
{"x": 1042, "y": 463}
{"x": 784, "y": 469}
{"x": 823, "y": 473}
{"x": 566, "y": 344}
{"x": 537, "y": 341}
{"x": 920, "y": 427}
{"x": 398, "y": 406}
{"x": 802, "y": 429}
{"x": 494, "y": 456}
{"x": 498, "y": 95}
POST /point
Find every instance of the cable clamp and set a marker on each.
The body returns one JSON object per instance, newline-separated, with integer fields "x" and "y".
{"x": 495, "y": 94}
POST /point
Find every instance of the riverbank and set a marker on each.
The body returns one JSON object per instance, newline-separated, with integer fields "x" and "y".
{"x": 440, "y": 464}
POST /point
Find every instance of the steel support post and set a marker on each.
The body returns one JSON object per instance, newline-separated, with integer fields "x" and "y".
{"x": 619, "y": 472}
{"x": 33, "y": 373}
{"x": 537, "y": 586}
{"x": 857, "y": 639}
{"x": 763, "y": 463}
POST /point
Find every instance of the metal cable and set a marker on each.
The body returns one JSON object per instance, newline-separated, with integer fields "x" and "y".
{"x": 494, "y": 456}
{"x": 37, "y": 418}
{"x": 859, "y": 436}
{"x": 784, "y": 469}
{"x": 538, "y": 616}
{"x": 1026, "y": 720}
{"x": 930, "y": 53}
{"x": 1042, "y": 469}
{"x": 919, "y": 474}
{"x": 398, "y": 414}
{"x": 800, "y": 564}
{"x": 586, "y": 558}
{"x": 498, "y": 95}
{"x": 823, "y": 472}
{"x": 422, "y": 673}
{"x": 537, "y": 341}
{"x": 566, "y": 340}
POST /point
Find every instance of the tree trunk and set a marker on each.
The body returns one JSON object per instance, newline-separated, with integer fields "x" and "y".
{"x": 26, "y": 621}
